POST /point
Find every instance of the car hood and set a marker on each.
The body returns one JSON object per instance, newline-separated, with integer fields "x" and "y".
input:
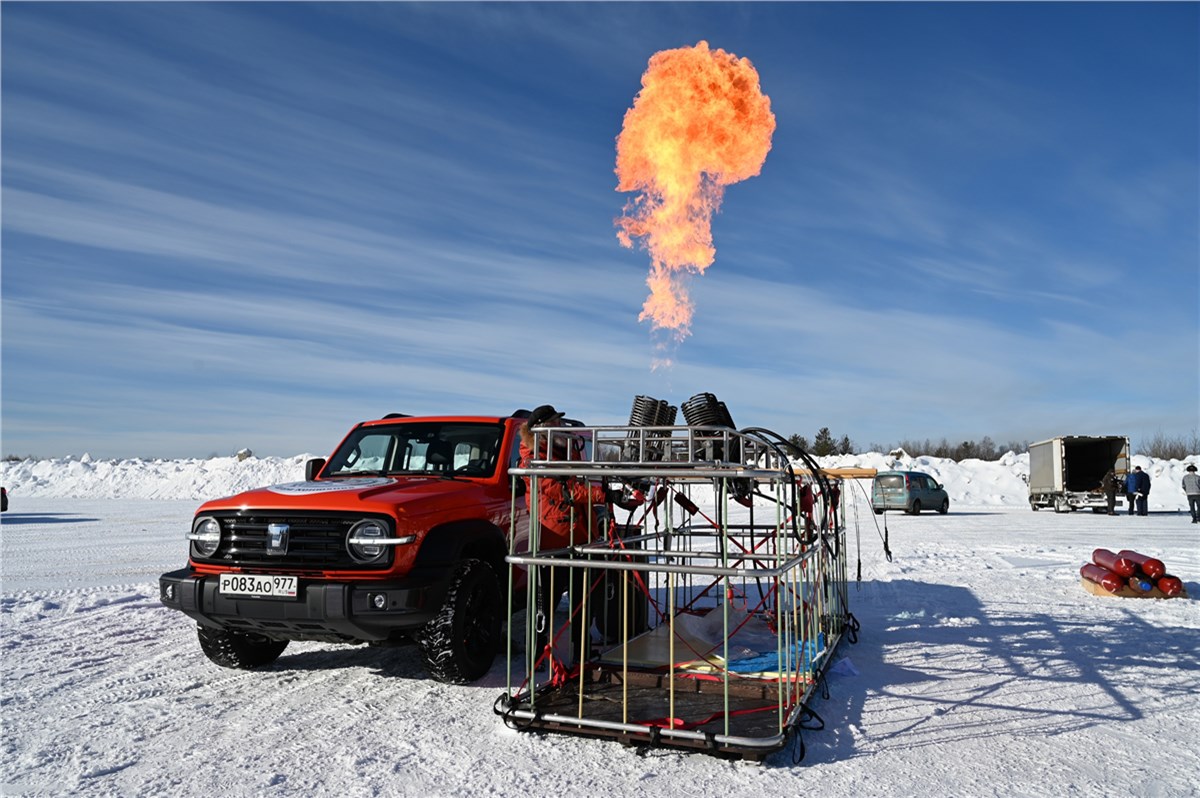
{"x": 363, "y": 494}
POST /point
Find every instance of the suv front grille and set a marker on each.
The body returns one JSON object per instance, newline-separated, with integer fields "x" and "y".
{"x": 316, "y": 541}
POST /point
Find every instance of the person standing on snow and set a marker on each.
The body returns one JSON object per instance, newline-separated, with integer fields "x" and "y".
{"x": 566, "y": 505}
{"x": 1191, "y": 486}
{"x": 570, "y": 510}
{"x": 1141, "y": 489}
{"x": 1108, "y": 484}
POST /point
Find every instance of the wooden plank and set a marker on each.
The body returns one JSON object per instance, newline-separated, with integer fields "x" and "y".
{"x": 840, "y": 473}
{"x": 1126, "y": 591}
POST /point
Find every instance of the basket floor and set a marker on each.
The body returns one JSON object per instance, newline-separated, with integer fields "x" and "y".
{"x": 753, "y": 714}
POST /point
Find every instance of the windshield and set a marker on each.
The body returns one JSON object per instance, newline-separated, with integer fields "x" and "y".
{"x": 419, "y": 448}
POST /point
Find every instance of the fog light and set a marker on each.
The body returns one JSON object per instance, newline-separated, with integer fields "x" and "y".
{"x": 169, "y": 592}
{"x": 379, "y": 600}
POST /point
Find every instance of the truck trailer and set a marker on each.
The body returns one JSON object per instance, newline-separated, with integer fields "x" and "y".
{"x": 1065, "y": 472}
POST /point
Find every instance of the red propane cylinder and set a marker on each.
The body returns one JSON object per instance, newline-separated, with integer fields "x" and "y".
{"x": 1150, "y": 567}
{"x": 1120, "y": 566}
{"x": 1102, "y": 576}
{"x": 1170, "y": 585}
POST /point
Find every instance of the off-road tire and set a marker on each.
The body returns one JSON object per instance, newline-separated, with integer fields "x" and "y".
{"x": 461, "y": 642}
{"x": 945, "y": 508}
{"x": 240, "y": 650}
{"x": 915, "y": 509}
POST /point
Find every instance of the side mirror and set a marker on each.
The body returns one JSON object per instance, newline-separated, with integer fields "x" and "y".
{"x": 313, "y": 467}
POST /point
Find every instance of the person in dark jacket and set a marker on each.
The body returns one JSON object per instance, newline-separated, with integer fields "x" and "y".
{"x": 1141, "y": 489}
{"x": 1108, "y": 484}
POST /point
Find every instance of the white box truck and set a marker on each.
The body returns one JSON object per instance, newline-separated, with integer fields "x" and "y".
{"x": 1065, "y": 472}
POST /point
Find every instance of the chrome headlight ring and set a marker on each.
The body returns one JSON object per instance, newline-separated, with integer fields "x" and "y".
{"x": 205, "y": 536}
{"x": 367, "y": 541}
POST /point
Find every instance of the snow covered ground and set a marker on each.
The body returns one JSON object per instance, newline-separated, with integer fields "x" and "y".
{"x": 982, "y": 667}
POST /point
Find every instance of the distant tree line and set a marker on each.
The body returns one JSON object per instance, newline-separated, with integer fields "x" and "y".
{"x": 1160, "y": 446}
{"x": 824, "y": 443}
{"x": 983, "y": 449}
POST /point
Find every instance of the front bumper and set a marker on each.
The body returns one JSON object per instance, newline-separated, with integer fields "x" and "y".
{"x": 330, "y": 611}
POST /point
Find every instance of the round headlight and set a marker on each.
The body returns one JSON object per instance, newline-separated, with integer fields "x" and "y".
{"x": 359, "y": 541}
{"x": 206, "y": 536}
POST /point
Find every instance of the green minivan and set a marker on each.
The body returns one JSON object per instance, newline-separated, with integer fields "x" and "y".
{"x": 910, "y": 491}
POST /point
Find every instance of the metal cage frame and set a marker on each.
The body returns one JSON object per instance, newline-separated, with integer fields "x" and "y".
{"x": 707, "y": 618}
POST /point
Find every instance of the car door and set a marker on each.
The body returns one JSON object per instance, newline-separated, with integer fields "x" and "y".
{"x": 889, "y": 492}
{"x": 925, "y": 491}
{"x": 937, "y": 495}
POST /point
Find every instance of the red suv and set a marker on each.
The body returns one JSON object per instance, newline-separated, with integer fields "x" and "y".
{"x": 399, "y": 536}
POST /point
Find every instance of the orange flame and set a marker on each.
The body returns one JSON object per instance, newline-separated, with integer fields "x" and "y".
{"x": 700, "y": 123}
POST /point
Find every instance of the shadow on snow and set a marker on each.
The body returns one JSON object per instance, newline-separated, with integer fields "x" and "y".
{"x": 935, "y": 666}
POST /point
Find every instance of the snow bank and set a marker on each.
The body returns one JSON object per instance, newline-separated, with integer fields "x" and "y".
{"x": 85, "y": 478}
{"x": 972, "y": 482}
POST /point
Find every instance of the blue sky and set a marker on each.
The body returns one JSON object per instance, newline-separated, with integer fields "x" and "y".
{"x": 252, "y": 225}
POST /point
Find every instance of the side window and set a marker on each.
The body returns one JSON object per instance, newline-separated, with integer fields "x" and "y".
{"x": 468, "y": 454}
{"x": 371, "y": 454}
{"x": 514, "y": 459}
{"x": 416, "y": 455}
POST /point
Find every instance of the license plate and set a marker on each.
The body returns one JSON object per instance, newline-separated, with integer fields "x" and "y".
{"x": 250, "y": 585}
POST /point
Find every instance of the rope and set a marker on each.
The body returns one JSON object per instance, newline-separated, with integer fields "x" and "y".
{"x": 852, "y": 627}
{"x": 798, "y": 753}
{"x": 617, "y": 543}
{"x": 508, "y": 714}
{"x": 887, "y": 552}
{"x": 806, "y": 716}
{"x": 858, "y": 547}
